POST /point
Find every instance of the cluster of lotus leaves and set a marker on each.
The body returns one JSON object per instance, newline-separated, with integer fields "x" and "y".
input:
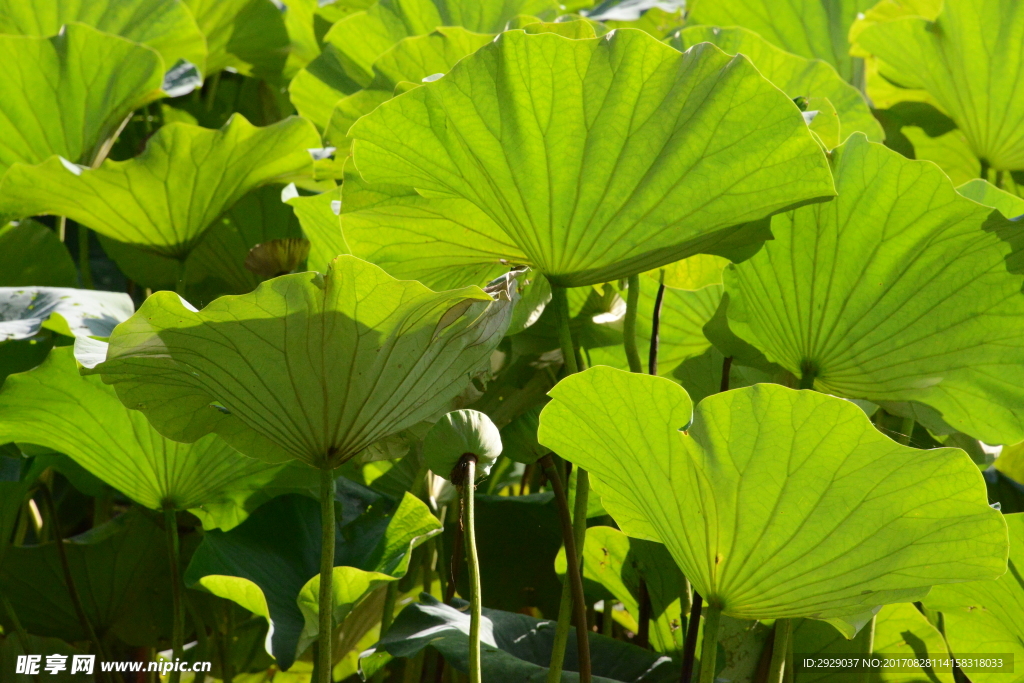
{"x": 308, "y": 366}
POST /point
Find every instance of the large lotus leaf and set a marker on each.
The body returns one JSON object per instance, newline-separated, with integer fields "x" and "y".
{"x": 795, "y": 75}
{"x": 618, "y": 563}
{"x": 961, "y": 59}
{"x": 775, "y": 502}
{"x": 515, "y": 648}
{"x": 863, "y": 296}
{"x": 122, "y": 574}
{"x": 34, "y": 255}
{"x": 24, "y": 311}
{"x": 164, "y": 25}
{"x": 308, "y": 366}
{"x": 166, "y": 197}
{"x": 987, "y": 194}
{"x": 248, "y": 36}
{"x": 269, "y": 564}
{"x": 54, "y": 406}
{"x": 988, "y": 616}
{"x": 645, "y": 125}
{"x": 67, "y": 94}
{"x": 809, "y": 28}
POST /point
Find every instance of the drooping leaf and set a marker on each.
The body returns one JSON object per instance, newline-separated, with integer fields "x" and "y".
{"x": 515, "y": 648}
{"x": 54, "y": 406}
{"x": 164, "y": 25}
{"x": 863, "y": 294}
{"x": 121, "y": 571}
{"x": 164, "y": 199}
{"x": 960, "y": 58}
{"x": 348, "y": 358}
{"x": 644, "y": 124}
{"x": 24, "y": 311}
{"x": 68, "y": 94}
{"x": 987, "y": 616}
{"x": 456, "y": 434}
{"x": 797, "y": 76}
{"x": 246, "y": 35}
{"x": 809, "y": 28}
{"x": 34, "y": 255}
{"x": 987, "y": 194}
{"x": 763, "y": 501}
{"x": 269, "y": 564}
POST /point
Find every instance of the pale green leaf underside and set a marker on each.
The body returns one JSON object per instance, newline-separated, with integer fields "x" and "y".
{"x": 795, "y": 75}
{"x": 898, "y": 290}
{"x": 164, "y": 25}
{"x": 165, "y": 198}
{"x": 54, "y": 406}
{"x": 776, "y": 503}
{"x": 71, "y": 312}
{"x": 988, "y": 616}
{"x": 676, "y": 149}
{"x": 68, "y": 93}
{"x": 964, "y": 59}
{"x": 809, "y": 28}
{"x": 309, "y": 367}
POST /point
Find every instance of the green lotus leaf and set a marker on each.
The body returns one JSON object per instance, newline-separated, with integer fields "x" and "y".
{"x": 987, "y": 194}
{"x": 646, "y": 201}
{"x": 11, "y": 649}
{"x": 34, "y": 255}
{"x": 349, "y": 358}
{"x": 515, "y": 648}
{"x": 809, "y": 28}
{"x": 13, "y": 491}
{"x": 350, "y": 109}
{"x": 456, "y": 434}
{"x": 825, "y": 300}
{"x": 121, "y": 571}
{"x": 795, "y": 75}
{"x": 774, "y": 502}
{"x": 987, "y": 616}
{"x": 164, "y": 199}
{"x": 164, "y": 25}
{"x": 957, "y": 58}
{"x": 519, "y": 438}
{"x": 248, "y": 36}
{"x": 24, "y": 311}
{"x": 318, "y": 216}
{"x": 68, "y": 94}
{"x": 693, "y": 273}
{"x": 619, "y": 563}
{"x": 54, "y": 406}
{"x": 269, "y": 563}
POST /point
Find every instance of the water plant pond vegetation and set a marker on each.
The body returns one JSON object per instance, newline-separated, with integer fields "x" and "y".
{"x": 505, "y": 341}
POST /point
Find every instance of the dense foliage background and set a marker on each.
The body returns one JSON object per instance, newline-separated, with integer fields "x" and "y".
{"x": 744, "y": 333}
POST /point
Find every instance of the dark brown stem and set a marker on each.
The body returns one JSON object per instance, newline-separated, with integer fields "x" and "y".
{"x": 643, "y": 633}
{"x": 690, "y": 644}
{"x": 456, "y": 558}
{"x": 652, "y": 358}
{"x": 527, "y": 472}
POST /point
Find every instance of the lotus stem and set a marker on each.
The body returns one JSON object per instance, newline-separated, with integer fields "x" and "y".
{"x": 906, "y": 431}
{"x": 83, "y": 257}
{"x": 629, "y": 324}
{"x": 561, "y": 305}
{"x": 387, "y": 616}
{"x": 572, "y": 570}
{"x": 643, "y": 618}
{"x": 652, "y": 358}
{"x": 807, "y": 375}
{"x": 324, "y": 659}
{"x": 709, "y": 650}
{"x": 690, "y": 643}
{"x": 62, "y": 227}
{"x": 456, "y": 557}
{"x": 464, "y": 476}
{"x": 607, "y": 618}
{"x": 869, "y": 646}
{"x": 780, "y": 646}
{"x": 726, "y": 369}
{"x": 178, "y": 624}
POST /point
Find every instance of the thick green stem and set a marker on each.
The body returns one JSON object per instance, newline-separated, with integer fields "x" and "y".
{"x": 607, "y": 618}
{"x": 869, "y": 646}
{"x": 629, "y": 325}
{"x": 83, "y": 257}
{"x": 561, "y": 304}
{"x": 906, "y": 432}
{"x": 780, "y": 646}
{"x": 62, "y": 227}
{"x": 709, "y": 649}
{"x": 808, "y": 375}
{"x": 178, "y": 624}
{"x": 473, "y": 563}
{"x": 572, "y": 570}
{"x": 326, "y": 574}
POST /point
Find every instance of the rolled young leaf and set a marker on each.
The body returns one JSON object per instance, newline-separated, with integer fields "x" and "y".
{"x": 628, "y": 157}
{"x": 458, "y": 433}
{"x": 774, "y": 502}
{"x": 308, "y": 366}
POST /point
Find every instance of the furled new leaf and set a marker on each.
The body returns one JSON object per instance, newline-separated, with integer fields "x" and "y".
{"x": 269, "y": 563}
{"x": 775, "y": 502}
{"x": 54, "y": 406}
{"x": 899, "y": 290}
{"x": 646, "y": 126}
{"x": 308, "y": 366}
{"x": 68, "y": 94}
{"x": 164, "y": 25}
{"x": 164, "y": 199}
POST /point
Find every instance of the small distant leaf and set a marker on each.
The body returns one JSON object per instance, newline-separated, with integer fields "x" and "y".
{"x": 72, "y": 312}
{"x": 34, "y": 255}
{"x": 246, "y": 35}
{"x": 164, "y": 199}
{"x": 277, "y": 257}
{"x": 761, "y": 500}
